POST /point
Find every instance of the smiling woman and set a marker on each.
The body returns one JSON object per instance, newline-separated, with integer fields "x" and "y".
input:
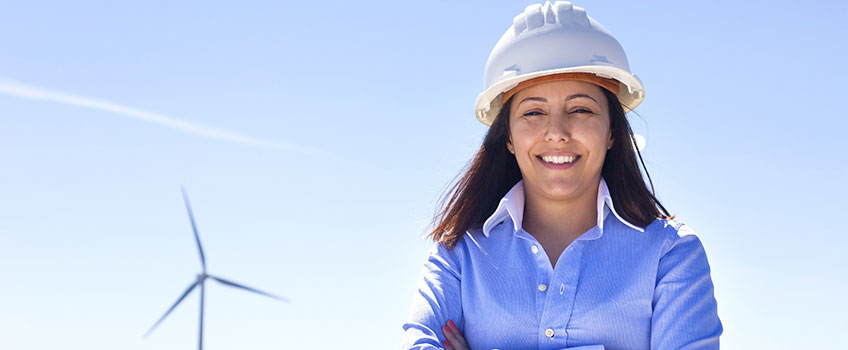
{"x": 557, "y": 174}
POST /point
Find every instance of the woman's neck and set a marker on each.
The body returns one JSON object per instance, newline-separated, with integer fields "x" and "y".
{"x": 565, "y": 219}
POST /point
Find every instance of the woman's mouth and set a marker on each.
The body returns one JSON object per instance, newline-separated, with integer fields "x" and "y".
{"x": 558, "y": 162}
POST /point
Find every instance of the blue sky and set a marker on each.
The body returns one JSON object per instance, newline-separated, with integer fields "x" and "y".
{"x": 314, "y": 140}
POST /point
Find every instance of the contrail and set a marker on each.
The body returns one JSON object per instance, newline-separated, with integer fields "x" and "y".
{"x": 12, "y": 88}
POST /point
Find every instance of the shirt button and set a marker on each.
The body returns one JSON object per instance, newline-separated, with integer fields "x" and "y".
{"x": 543, "y": 287}
{"x": 549, "y": 333}
{"x": 534, "y": 249}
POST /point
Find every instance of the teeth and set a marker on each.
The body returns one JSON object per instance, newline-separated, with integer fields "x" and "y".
{"x": 559, "y": 159}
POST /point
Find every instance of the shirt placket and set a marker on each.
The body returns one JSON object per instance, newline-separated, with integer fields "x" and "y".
{"x": 555, "y": 291}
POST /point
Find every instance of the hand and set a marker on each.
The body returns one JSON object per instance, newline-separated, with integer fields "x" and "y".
{"x": 454, "y": 338}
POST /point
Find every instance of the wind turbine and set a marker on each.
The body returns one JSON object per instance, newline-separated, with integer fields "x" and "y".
{"x": 201, "y": 281}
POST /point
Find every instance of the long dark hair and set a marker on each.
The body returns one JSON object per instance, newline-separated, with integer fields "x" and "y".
{"x": 493, "y": 171}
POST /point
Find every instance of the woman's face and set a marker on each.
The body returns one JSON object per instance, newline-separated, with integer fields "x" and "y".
{"x": 560, "y": 133}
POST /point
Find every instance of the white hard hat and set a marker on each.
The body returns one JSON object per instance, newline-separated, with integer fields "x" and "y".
{"x": 555, "y": 39}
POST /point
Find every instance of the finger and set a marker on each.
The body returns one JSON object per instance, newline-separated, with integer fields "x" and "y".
{"x": 460, "y": 337}
{"x": 451, "y": 340}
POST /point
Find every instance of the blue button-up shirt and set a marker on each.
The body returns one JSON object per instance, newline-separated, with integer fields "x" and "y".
{"x": 617, "y": 286}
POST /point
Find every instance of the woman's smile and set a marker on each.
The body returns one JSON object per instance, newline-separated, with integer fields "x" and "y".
{"x": 558, "y": 161}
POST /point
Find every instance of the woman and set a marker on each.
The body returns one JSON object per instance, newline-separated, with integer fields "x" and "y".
{"x": 551, "y": 239}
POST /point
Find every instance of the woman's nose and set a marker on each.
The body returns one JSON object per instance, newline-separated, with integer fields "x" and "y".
{"x": 558, "y": 129}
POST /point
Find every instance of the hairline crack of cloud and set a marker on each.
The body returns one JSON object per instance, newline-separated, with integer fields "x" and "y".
{"x": 13, "y": 88}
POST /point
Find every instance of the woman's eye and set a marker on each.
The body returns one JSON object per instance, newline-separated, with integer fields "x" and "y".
{"x": 581, "y": 110}
{"x": 532, "y": 113}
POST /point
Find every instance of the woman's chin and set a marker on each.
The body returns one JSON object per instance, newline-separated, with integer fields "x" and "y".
{"x": 559, "y": 189}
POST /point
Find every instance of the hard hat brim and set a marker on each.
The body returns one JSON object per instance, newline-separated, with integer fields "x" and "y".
{"x": 489, "y": 102}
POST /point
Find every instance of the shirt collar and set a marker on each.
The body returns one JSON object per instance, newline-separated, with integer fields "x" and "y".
{"x": 512, "y": 206}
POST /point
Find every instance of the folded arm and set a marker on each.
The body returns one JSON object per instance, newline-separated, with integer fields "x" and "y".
{"x": 685, "y": 313}
{"x": 437, "y": 300}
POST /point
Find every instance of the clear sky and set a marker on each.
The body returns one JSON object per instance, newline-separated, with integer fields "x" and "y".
{"x": 315, "y": 139}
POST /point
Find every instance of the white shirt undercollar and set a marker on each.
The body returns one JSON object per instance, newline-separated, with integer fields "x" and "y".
{"x": 512, "y": 206}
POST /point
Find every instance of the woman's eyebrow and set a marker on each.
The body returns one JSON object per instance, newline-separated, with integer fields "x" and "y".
{"x": 580, "y": 95}
{"x": 540, "y": 99}
{"x": 569, "y": 98}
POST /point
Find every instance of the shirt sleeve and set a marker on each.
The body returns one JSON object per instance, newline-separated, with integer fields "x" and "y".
{"x": 685, "y": 314}
{"x": 437, "y": 300}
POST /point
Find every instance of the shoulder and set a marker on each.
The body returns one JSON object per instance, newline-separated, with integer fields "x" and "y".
{"x": 682, "y": 249}
{"x": 472, "y": 246}
{"x": 664, "y": 237}
{"x": 461, "y": 246}
{"x": 451, "y": 258}
{"x": 670, "y": 232}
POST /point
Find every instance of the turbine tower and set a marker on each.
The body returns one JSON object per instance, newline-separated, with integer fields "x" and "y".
{"x": 201, "y": 282}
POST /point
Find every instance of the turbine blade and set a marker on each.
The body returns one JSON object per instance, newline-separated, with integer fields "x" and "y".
{"x": 233, "y": 284}
{"x": 194, "y": 228}
{"x": 190, "y": 288}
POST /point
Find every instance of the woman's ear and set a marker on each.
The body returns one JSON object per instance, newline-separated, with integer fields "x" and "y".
{"x": 610, "y": 142}
{"x": 509, "y": 146}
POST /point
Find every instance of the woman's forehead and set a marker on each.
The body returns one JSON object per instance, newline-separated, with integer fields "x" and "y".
{"x": 560, "y": 88}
